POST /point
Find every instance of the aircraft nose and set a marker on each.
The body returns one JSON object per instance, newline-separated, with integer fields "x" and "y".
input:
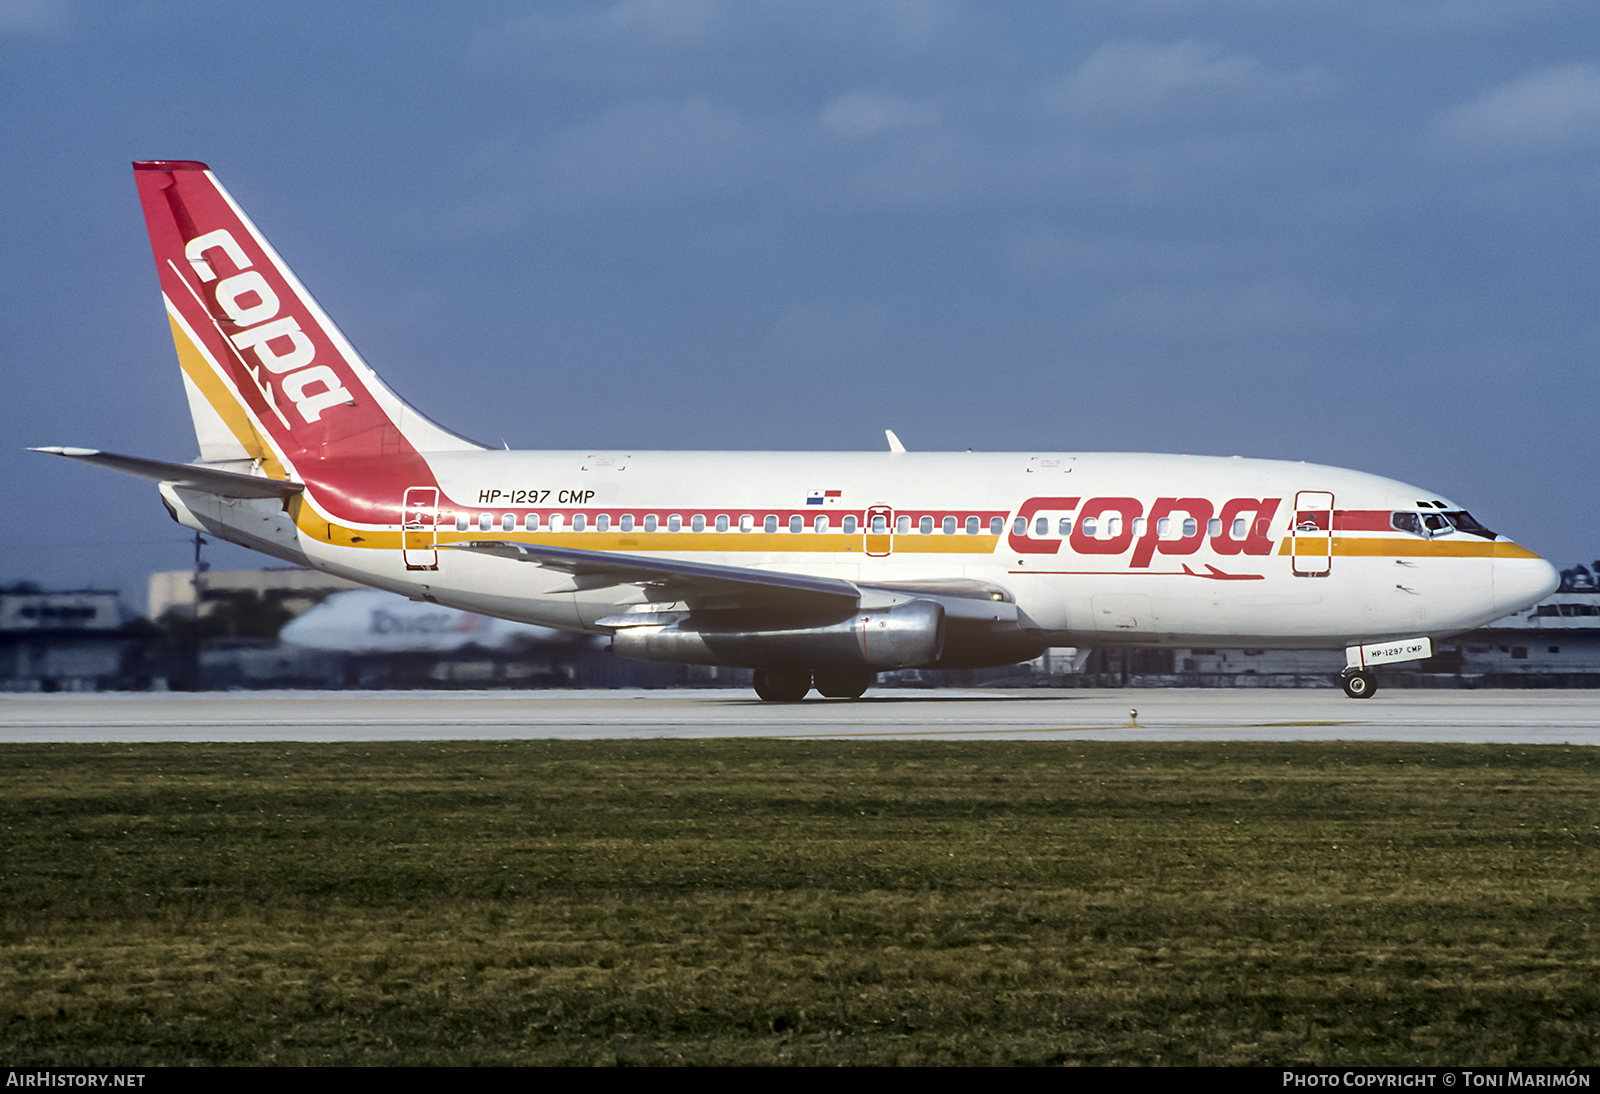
{"x": 1521, "y": 578}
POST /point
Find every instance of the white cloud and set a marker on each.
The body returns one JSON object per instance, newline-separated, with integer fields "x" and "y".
{"x": 677, "y": 40}
{"x": 651, "y": 149}
{"x": 1549, "y": 112}
{"x": 1149, "y": 83}
{"x": 1406, "y": 17}
{"x": 862, "y": 113}
{"x": 19, "y": 17}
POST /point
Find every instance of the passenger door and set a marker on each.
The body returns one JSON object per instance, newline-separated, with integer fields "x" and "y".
{"x": 419, "y": 528}
{"x": 1311, "y": 540}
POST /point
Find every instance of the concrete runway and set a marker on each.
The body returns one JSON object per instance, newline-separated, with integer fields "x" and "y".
{"x": 1529, "y": 717}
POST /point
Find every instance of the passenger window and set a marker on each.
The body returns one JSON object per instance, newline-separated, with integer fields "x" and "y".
{"x": 508, "y": 523}
{"x": 746, "y": 523}
{"x": 697, "y": 523}
{"x": 1214, "y": 526}
{"x": 1113, "y": 527}
{"x": 602, "y": 522}
{"x": 1089, "y": 527}
{"x": 1163, "y": 526}
{"x": 579, "y": 522}
{"x": 650, "y": 522}
{"x": 531, "y": 522}
{"x": 722, "y": 522}
{"x": 770, "y": 525}
{"x": 1138, "y": 526}
{"x": 972, "y": 526}
{"x": 821, "y": 525}
{"x": 795, "y": 523}
{"x": 997, "y": 525}
{"x": 1041, "y": 527}
{"x": 925, "y": 526}
{"x": 879, "y": 524}
{"x": 849, "y": 524}
{"x": 949, "y": 526}
{"x": 461, "y": 522}
{"x": 674, "y": 522}
{"x": 1190, "y": 527}
{"x": 1240, "y": 526}
{"x": 1019, "y": 526}
{"x": 485, "y": 520}
{"x": 625, "y": 522}
{"x": 555, "y": 522}
{"x": 1064, "y": 527}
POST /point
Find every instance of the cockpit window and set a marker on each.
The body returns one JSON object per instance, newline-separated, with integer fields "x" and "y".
{"x": 1432, "y": 525}
{"x": 1464, "y": 523}
{"x": 1410, "y": 523}
{"x": 1436, "y": 524}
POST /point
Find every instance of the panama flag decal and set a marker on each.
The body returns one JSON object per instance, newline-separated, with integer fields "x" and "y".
{"x": 824, "y": 497}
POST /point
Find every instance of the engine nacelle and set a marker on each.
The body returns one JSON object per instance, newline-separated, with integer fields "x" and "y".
{"x": 903, "y": 636}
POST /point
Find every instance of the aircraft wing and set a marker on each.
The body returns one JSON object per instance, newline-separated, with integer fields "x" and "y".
{"x": 703, "y": 584}
{"x": 211, "y": 480}
{"x": 700, "y": 584}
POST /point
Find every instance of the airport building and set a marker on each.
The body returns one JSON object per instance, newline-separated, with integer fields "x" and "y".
{"x": 74, "y": 640}
{"x": 295, "y": 589}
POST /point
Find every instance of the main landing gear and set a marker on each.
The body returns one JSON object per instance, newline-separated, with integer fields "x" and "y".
{"x": 1360, "y": 684}
{"x": 791, "y": 685}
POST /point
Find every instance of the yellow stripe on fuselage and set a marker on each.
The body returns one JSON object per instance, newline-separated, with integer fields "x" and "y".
{"x": 1408, "y": 548}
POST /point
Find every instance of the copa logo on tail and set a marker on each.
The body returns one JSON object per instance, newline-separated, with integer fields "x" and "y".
{"x": 278, "y": 342}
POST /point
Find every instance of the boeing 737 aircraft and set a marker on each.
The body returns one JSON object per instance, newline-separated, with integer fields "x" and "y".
{"x": 814, "y": 569}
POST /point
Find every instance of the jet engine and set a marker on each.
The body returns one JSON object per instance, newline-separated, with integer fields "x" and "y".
{"x": 904, "y": 635}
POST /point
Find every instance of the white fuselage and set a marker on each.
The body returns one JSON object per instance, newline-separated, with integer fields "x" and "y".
{"x": 1112, "y": 549}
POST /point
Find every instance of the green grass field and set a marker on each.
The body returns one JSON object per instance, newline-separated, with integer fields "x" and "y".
{"x": 704, "y": 902}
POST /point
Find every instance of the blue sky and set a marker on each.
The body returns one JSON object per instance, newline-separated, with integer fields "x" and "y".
{"x": 1354, "y": 233}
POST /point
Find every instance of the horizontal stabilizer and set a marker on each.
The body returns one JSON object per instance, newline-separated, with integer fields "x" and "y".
{"x": 226, "y": 484}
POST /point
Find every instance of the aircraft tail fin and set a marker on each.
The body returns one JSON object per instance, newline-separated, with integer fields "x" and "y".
{"x": 268, "y": 374}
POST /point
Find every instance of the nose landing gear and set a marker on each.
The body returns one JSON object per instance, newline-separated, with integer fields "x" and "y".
{"x": 1359, "y": 684}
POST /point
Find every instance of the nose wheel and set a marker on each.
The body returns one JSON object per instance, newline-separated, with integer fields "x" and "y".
{"x": 1359, "y": 685}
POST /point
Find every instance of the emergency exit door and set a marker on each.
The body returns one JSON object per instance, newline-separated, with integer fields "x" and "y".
{"x": 878, "y": 534}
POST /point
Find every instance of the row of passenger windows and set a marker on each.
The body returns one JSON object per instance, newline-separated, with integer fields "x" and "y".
{"x": 1111, "y": 527}
{"x": 697, "y": 523}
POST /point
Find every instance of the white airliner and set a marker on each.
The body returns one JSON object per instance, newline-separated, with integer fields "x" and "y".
{"x": 371, "y": 621}
{"x": 815, "y": 569}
